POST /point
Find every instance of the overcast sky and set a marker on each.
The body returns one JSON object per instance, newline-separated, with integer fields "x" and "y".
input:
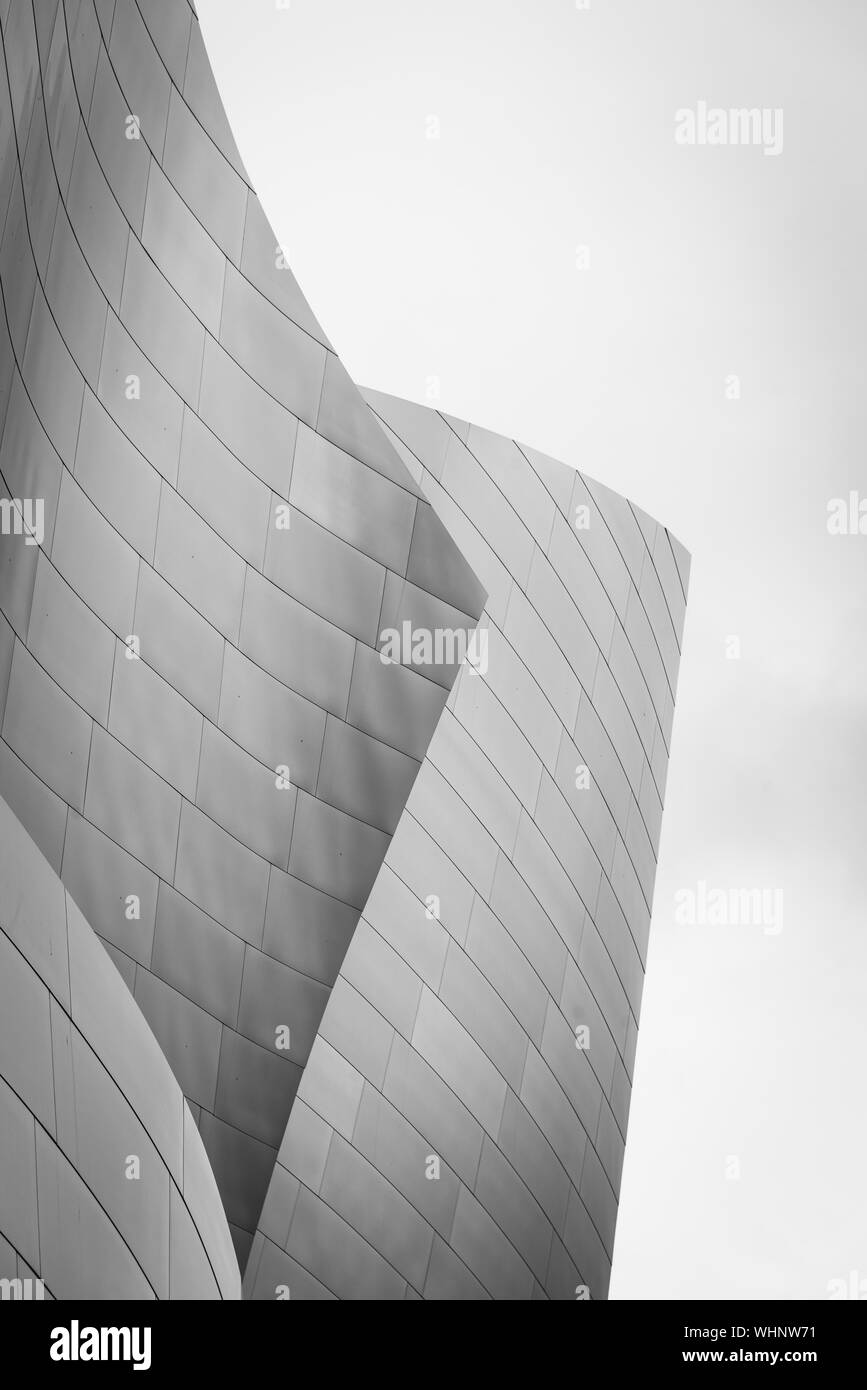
{"x": 457, "y": 258}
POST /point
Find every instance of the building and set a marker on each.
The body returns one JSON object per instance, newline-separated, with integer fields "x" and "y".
{"x": 378, "y": 925}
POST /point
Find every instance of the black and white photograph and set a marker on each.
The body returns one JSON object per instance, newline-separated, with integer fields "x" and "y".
{"x": 433, "y": 677}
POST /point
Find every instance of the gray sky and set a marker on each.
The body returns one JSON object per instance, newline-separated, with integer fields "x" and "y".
{"x": 456, "y": 258}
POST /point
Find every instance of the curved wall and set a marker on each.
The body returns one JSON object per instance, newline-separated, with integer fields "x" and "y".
{"x": 374, "y": 884}
{"x": 168, "y": 393}
{"x": 87, "y": 1091}
{"x": 496, "y": 1034}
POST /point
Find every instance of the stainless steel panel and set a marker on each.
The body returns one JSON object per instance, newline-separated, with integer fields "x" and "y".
{"x": 150, "y": 718}
{"x": 609, "y": 1146}
{"x": 354, "y": 501}
{"x": 428, "y": 1102}
{"x": 132, "y": 804}
{"x": 54, "y": 383}
{"x": 225, "y": 878}
{"x": 101, "y": 878}
{"x": 336, "y": 1086}
{"x": 539, "y": 866}
{"x": 306, "y": 928}
{"x": 204, "y": 179}
{"x": 557, "y": 477}
{"x": 189, "y": 1037}
{"x": 568, "y": 841}
{"x": 117, "y": 479}
{"x": 169, "y": 27}
{"x": 305, "y": 1146}
{"x": 596, "y": 966}
{"x": 437, "y": 564}
{"x": 257, "y": 429}
{"x": 572, "y": 1068}
{"x": 239, "y": 1164}
{"x": 169, "y": 630}
{"x": 581, "y": 1009}
{"x": 517, "y": 1213}
{"x": 599, "y": 1199}
{"x": 545, "y": 1100}
{"x": 458, "y": 832}
{"x": 448, "y": 1277}
{"x": 582, "y": 1238}
{"x": 73, "y": 646}
{"x": 326, "y": 574}
{"x": 46, "y": 729}
{"x": 596, "y": 539}
{"x": 255, "y": 1088}
{"x": 276, "y": 1271}
{"x": 385, "y": 981}
{"x": 197, "y": 956}
{"x": 425, "y": 432}
{"x": 356, "y": 1030}
{"x": 162, "y": 324}
{"x": 274, "y": 996}
{"x": 469, "y": 485}
{"x": 125, "y": 162}
{"x": 107, "y": 1017}
{"x": 408, "y": 924}
{"x": 337, "y": 1255}
{"x": 478, "y": 1240}
{"x": 97, "y": 1138}
{"x": 479, "y": 1009}
{"x": 264, "y": 264}
{"x": 528, "y": 925}
{"x": 84, "y": 1257}
{"x": 190, "y": 1272}
{"x": 364, "y": 777}
{"x": 277, "y": 1211}
{"x": 142, "y": 76}
{"x": 229, "y": 497}
{"x": 529, "y": 1152}
{"x": 426, "y": 869}
{"x": 506, "y": 466}
{"x": 156, "y": 429}
{"x": 386, "y": 1220}
{"x": 273, "y": 723}
{"x": 183, "y": 251}
{"x": 78, "y": 306}
{"x": 335, "y": 852}
{"x": 491, "y": 726}
{"x": 345, "y": 419}
{"x": 200, "y": 565}
{"x": 538, "y": 649}
{"x": 401, "y": 1154}
{"x": 475, "y": 779}
{"x": 502, "y": 963}
{"x": 200, "y": 91}
{"x": 261, "y": 339}
{"x": 25, "y": 1036}
{"x": 61, "y": 101}
{"x": 243, "y": 796}
{"x": 35, "y": 905}
{"x": 96, "y": 219}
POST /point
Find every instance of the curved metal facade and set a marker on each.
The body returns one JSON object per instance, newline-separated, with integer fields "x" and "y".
{"x": 105, "y": 1187}
{"x": 317, "y": 871}
{"x": 171, "y": 398}
{"x": 460, "y": 1126}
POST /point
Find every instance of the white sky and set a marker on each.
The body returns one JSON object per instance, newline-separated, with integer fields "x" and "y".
{"x": 456, "y": 258}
